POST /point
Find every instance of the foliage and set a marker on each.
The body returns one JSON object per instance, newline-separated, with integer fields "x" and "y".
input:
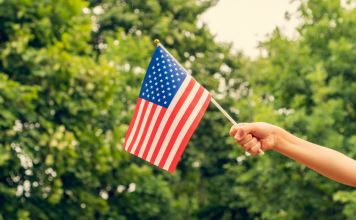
{"x": 70, "y": 76}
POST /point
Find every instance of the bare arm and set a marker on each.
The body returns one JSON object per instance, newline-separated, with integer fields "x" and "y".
{"x": 325, "y": 161}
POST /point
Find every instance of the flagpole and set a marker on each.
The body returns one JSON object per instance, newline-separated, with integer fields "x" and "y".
{"x": 212, "y": 99}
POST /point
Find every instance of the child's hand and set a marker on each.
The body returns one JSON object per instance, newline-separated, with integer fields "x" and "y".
{"x": 254, "y": 136}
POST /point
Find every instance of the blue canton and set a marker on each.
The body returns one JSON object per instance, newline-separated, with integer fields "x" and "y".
{"x": 163, "y": 78}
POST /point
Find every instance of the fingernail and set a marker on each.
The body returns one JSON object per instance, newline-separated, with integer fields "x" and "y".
{"x": 237, "y": 136}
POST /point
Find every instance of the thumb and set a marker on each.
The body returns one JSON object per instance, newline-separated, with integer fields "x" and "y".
{"x": 244, "y": 130}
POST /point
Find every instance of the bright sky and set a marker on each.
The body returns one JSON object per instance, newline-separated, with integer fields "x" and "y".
{"x": 246, "y": 22}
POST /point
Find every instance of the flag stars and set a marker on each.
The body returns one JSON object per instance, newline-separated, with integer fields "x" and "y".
{"x": 163, "y": 61}
{"x": 157, "y": 94}
{"x": 151, "y": 87}
{"x": 153, "y": 67}
{"x": 171, "y": 70}
{"x": 155, "y": 78}
{"x": 175, "y": 68}
{"x": 160, "y": 75}
{"x": 165, "y": 102}
{"x": 146, "y": 84}
{"x": 157, "y": 58}
{"x": 169, "y": 60}
{"x": 152, "y": 92}
{"x": 174, "y": 86}
{"x": 143, "y": 93}
{"x": 170, "y": 65}
{"x": 149, "y": 76}
{"x": 157, "y": 64}
{"x": 164, "y": 96}
{"x": 172, "y": 80}
{"x": 162, "y": 56}
{"x": 169, "y": 88}
{"x": 169, "y": 94}
{"x": 148, "y": 95}
{"x": 162, "y": 91}
{"x": 161, "y": 80}
{"x": 178, "y": 79}
{"x": 172, "y": 75}
{"x": 159, "y": 69}
{"x": 164, "y": 67}
{"x": 156, "y": 84}
{"x": 150, "y": 81}
{"x": 154, "y": 72}
{"x": 159, "y": 100}
{"x": 166, "y": 77}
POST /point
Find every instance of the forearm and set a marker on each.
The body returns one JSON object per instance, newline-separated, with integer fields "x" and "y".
{"x": 325, "y": 161}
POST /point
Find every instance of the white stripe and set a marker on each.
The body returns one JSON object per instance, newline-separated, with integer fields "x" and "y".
{"x": 133, "y": 131}
{"x": 167, "y": 114}
{"x": 185, "y": 129}
{"x": 176, "y": 120}
{"x": 142, "y": 127}
{"x": 148, "y": 134}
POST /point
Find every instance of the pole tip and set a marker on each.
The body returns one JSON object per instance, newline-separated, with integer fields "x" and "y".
{"x": 156, "y": 42}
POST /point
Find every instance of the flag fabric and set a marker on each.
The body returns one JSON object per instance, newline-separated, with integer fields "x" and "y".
{"x": 169, "y": 108}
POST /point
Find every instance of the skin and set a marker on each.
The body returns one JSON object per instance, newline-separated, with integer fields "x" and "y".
{"x": 264, "y": 136}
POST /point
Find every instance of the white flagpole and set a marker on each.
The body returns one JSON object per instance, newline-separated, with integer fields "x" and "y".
{"x": 212, "y": 99}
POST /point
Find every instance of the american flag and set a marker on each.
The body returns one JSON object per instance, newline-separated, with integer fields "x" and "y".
{"x": 169, "y": 108}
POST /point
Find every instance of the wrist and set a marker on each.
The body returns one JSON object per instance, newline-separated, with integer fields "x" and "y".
{"x": 279, "y": 136}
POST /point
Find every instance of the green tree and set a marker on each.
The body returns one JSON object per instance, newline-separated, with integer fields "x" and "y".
{"x": 60, "y": 130}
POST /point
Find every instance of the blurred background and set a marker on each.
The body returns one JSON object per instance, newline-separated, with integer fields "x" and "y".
{"x": 70, "y": 74}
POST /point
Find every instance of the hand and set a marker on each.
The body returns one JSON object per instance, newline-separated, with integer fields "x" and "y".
{"x": 254, "y": 136}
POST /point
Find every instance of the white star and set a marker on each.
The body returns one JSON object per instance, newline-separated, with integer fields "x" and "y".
{"x": 164, "y": 97}
{"x": 162, "y": 91}
{"x": 165, "y": 102}
{"x": 171, "y": 70}
{"x": 162, "y": 86}
{"x": 159, "y": 100}
{"x": 169, "y": 94}
{"x": 156, "y": 84}
{"x": 157, "y": 58}
{"x": 182, "y": 73}
{"x": 149, "y": 76}
{"x": 174, "y": 65}
{"x": 175, "y": 68}
{"x": 148, "y": 95}
{"x": 152, "y": 92}
{"x": 157, "y": 94}
{"x": 153, "y": 97}
{"x": 167, "y": 83}
{"x": 151, "y": 87}
{"x": 161, "y": 80}
{"x": 178, "y": 79}
{"x": 153, "y": 67}
{"x": 170, "y": 65}
{"x": 165, "y": 72}
{"x": 167, "y": 55}
{"x": 166, "y": 77}
{"x": 172, "y": 75}
{"x": 164, "y": 67}
{"x": 157, "y": 89}
{"x": 174, "y": 86}
{"x": 160, "y": 74}
{"x": 159, "y": 69}
{"x": 162, "y": 56}
{"x": 169, "y": 60}
{"x": 150, "y": 81}
{"x": 172, "y": 80}
{"x": 146, "y": 84}
{"x": 146, "y": 90}
{"x": 161, "y": 51}
{"x": 169, "y": 88}
{"x": 157, "y": 64}
{"x": 143, "y": 93}
{"x": 155, "y": 78}
{"x": 154, "y": 72}
{"x": 177, "y": 74}
{"x": 163, "y": 61}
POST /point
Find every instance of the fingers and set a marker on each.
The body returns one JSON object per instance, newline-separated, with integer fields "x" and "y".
{"x": 240, "y": 131}
{"x": 245, "y": 140}
{"x": 250, "y": 144}
{"x": 255, "y": 149}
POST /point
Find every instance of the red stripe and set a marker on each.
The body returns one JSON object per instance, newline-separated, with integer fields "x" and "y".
{"x": 180, "y": 126}
{"x": 154, "y": 131}
{"x": 188, "y": 135}
{"x": 138, "y": 126}
{"x": 153, "y": 110}
{"x": 133, "y": 121}
{"x": 171, "y": 118}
